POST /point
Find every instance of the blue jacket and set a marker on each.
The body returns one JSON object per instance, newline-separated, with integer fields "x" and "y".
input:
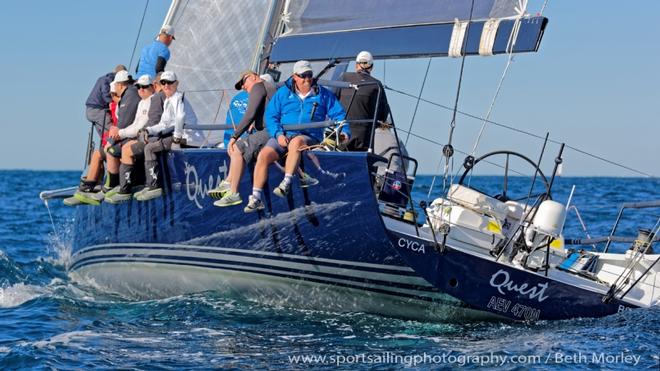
{"x": 99, "y": 97}
{"x": 149, "y": 58}
{"x": 286, "y": 107}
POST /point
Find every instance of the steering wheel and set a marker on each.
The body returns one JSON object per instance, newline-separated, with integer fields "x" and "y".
{"x": 470, "y": 162}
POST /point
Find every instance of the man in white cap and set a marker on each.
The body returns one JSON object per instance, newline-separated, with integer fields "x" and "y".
{"x": 364, "y": 103}
{"x": 154, "y": 56}
{"x": 122, "y": 142}
{"x": 299, "y": 101}
{"x": 169, "y": 134}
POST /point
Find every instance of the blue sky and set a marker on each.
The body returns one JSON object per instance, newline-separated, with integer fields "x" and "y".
{"x": 593, "y": 84}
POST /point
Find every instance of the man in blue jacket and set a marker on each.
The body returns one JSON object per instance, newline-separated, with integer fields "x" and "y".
{"x": 98, "y": 102}
{"x": 154, "y": 56}
{"x": 299, "y": 101}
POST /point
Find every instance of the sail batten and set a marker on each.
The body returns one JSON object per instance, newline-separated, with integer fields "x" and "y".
{"x": 405, "y": 42}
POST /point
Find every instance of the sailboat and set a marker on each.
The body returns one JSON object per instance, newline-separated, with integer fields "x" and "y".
{"x": 335, "y": 246}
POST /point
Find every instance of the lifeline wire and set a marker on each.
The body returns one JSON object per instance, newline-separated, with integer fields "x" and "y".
{"x": 600, "y": 158}
{"x": 459, "y": 151}
{"x": 144, "y": 13}
{"x": 419, "y": 97}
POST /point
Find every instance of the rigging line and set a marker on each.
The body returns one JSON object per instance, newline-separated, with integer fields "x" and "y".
{"x": 511, "y": 43}
{"x": 448, "y": 151}
{"x": 460, "y": 77}
{"x": 459, "y": 151}
{"x": 545, "y": 3}
{"x": 137, "y": 38}
{"x": 412, "y": 121}
{"x": 522, "y": 7}
{"x": 466, "y": 114}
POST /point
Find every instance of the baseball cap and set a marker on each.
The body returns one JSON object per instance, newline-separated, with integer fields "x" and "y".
{"x": 144, "y": 80}
{"x": 122, "y": 76}
{"x": 241, "y": 78}
{"x": 301, "y": 67}
{"x": 364, "y": 57}
{"x": 168, "y": 30}
{"x": 168, "y": 76}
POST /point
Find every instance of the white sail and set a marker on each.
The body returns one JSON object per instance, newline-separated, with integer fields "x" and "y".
{"x": 215, "y": 41}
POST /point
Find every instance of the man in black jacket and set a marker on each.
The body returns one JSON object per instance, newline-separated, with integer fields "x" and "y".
{"x": 365, "y": 102}
{"x": 244, "y": 150}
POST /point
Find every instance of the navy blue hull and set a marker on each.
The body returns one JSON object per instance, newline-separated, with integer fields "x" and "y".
{"x": 500, "y": 289}
{"x": 331, "y": 233}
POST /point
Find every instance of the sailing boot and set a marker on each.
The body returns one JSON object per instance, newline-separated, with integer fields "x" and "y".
{"x": 124, "y": 193}
{"x": 152, "y": 189}
{"x": 86, "y": 194}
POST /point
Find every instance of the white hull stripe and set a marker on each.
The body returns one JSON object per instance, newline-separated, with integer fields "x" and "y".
{"x": 306, "y": 264}
{"x": 394, "y": 281}
{"x": 274, "y": 255}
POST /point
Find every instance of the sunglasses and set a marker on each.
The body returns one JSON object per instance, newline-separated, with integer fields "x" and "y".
{"x": 143, "y": 86}
{"x": 305, "y": 75}
{"x": 166, "y": 82}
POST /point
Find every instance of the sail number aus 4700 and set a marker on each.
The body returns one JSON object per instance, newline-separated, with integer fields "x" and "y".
{"x": 412, "y": 245}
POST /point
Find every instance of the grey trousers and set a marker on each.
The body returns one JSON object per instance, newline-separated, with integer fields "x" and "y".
{"x": 97, "y": 117}
{"x": 152, "y": 149}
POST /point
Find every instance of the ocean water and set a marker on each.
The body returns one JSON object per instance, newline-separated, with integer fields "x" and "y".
{"x": 48, "y": 322}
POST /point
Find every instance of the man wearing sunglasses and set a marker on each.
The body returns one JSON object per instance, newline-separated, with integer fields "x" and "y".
{"x": 122, "y": 138}
{"x": 299, "y": 101}
{"x": 170, "y": 132}
{"x": 243, "y": 151}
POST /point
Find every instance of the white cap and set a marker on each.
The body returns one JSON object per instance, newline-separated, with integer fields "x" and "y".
{"x": 113, "y": 87}
{"x": 168, "y": 76}
{"x": 168, "y": 30}
{"x": 301, "y": 67}
{"x": 144, "y": 80}
{"x": 122, "y": 76}
{"x": 364, "y": 57}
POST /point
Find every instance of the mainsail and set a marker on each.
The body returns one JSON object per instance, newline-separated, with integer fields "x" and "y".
{"x": 324, "y": 30}
{"x": 215, "y": 41}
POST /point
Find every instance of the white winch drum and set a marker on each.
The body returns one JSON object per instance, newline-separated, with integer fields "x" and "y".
{"x": 550, "y": 218}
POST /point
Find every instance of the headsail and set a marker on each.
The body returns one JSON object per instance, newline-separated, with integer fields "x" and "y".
{"x": 215, "y": 41}
{"x": 323, "y": 30}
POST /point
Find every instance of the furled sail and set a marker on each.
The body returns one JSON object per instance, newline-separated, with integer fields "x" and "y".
{"x": 323, "y": 30}
{"x": 215, "y": 41}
